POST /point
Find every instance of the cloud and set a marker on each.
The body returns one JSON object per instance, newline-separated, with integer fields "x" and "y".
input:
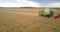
{"x": 19, "y": 3}
{"x": 27, "y": 3}
{"x": 55, "y": 4}
{"x": 8, "y": 4}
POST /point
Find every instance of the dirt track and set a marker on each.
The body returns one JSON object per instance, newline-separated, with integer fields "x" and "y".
{"x": 26, "y": 20}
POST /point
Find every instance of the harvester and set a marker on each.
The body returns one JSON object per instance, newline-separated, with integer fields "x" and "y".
{"x": 47, "y": 12}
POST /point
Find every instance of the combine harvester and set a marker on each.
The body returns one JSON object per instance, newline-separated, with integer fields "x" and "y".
{"x": 48, "y": 12}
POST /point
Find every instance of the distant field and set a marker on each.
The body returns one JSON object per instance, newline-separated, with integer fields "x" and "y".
{"x": 26, "y": 20}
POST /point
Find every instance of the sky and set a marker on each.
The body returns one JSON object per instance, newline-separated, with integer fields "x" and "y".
{"x": 29, "y": 3}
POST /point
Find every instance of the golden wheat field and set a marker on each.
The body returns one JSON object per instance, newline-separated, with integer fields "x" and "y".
{"x": 26, "y": 20}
